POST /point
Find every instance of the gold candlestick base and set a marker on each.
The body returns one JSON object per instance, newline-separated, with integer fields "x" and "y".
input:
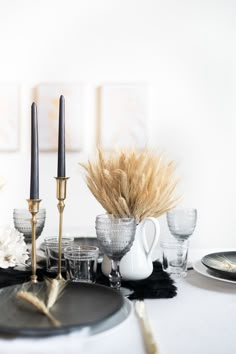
{"x": 61, "y": 196}
{"x": 33, "y": 209}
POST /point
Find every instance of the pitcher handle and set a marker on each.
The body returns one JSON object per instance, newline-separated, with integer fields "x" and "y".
{"x": 156, "y": 224}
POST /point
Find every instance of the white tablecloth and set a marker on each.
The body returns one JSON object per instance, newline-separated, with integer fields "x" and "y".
{"x": 199, "y": 320}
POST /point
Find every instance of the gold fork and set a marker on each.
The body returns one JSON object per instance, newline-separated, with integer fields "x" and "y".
{"x": 149, "y": 341}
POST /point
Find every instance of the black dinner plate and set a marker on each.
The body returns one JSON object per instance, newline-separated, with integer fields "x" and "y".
{"x": 222, "y": 263}
{"x": 82, "y": 304}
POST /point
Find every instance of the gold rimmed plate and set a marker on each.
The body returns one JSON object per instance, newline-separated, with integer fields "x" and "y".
{"x": 222, "y": 263}
{"x": 81, "y": 305}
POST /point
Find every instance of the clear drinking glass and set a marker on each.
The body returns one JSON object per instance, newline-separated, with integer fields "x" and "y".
{"x": 174, "y": 258}
{"x": 81, "y": 263}
{"x": 51, "y": 252}
{"x": 181, "y": 223}
{"x": 115, "y": 238}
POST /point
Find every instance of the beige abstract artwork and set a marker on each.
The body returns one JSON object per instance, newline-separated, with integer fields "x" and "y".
{"x": 9, "y": 117}
{"x": 123, "y": 116}
{"x": 47, "y": 99}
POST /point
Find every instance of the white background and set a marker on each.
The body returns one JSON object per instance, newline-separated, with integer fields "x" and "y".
{"x": 185, "y": 50}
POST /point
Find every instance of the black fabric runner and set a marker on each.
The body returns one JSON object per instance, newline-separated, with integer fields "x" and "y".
{"x": 157, "y": 285}
{"x": 12, "y": 276}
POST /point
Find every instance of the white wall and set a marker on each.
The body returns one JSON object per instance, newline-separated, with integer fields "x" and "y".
{"x": 184, "y": 49}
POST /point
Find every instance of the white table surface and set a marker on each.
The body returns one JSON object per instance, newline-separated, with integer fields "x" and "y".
{"x": 199, "y": 320}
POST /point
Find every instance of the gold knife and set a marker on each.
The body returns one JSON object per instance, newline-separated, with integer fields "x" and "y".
{"x": 149, "y": 341}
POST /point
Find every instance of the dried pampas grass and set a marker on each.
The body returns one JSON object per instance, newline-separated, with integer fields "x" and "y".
{"x": 131, "y": 183}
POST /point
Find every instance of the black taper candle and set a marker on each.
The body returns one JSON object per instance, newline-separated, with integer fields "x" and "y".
{"x": 34, "y": 172}
{"x": 61, "y": 163}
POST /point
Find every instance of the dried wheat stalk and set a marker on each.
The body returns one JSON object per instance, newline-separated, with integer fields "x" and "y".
{"x": 55, "y": 288}
{"x": 131, "y": 183}
{"x": 38, "y": 304}
{"x": 43, "y": 299}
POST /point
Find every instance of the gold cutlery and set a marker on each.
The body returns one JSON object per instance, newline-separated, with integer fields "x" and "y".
{"x": 149, "y": 341}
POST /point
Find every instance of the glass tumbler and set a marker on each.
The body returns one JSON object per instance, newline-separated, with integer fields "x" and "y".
{"x": 81, "y": 263}
{"x": 174, "y": 258}
{"x": 51, "y": 251}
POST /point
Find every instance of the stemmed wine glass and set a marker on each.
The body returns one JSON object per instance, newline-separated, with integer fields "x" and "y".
{"x": 115, "y": 237}
{"x": 22, "y": 223}
{"x": 181, "y": 223}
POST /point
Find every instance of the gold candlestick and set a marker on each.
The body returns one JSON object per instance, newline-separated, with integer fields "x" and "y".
{"x": 61, "y": 196}
{"x": 33, "y": 209}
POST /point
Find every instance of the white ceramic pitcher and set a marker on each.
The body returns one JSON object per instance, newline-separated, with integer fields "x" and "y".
{"x": 137, "y": 263}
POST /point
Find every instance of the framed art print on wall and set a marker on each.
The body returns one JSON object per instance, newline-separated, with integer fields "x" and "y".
{"x": 47, "y": 98}
{"x": 9, "y": 117}
{"x": 122, "y": 116}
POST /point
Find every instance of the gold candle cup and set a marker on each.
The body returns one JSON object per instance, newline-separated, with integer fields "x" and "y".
{"x": 61, "y": 196}
{"x": 33, "y": 209}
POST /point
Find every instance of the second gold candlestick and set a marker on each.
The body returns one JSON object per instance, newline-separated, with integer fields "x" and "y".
{"x": 61, "y": 196}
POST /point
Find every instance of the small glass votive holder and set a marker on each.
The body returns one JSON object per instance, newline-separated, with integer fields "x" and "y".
{"x": 174, "y": 258}
{"x": 81, "y": 263}
{"x": 51, "y": 252}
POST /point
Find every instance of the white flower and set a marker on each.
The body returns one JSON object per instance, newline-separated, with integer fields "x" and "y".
{"x": 13, "y": 249}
